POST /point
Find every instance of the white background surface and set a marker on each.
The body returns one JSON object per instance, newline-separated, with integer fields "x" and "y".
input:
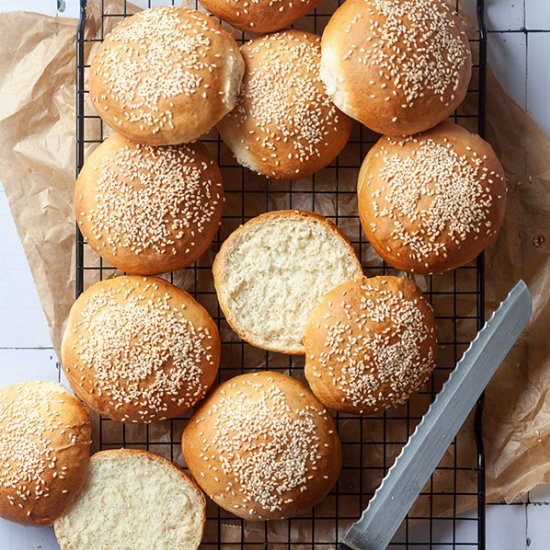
{"x": 521, "y": 62}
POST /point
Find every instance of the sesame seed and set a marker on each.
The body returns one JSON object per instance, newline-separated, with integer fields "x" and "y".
{"x": 133, "y": 348}
{"x": 374, "y": 358}
{"x": 451, "y": 187}
{"x": 172, "y": 47}
{"x": 28, "y": 454}
{"x": 147, "y": 198}
{"x": 267, "y": 443}
{"x": 283, "y": 100}
{"x": 417, "y": 44}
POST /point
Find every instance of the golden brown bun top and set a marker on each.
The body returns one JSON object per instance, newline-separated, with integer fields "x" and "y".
{"x": 369, "y": 344}
{"x": 263, "y": 447}
{"x": 284, "y": 124}
{"x": 45, "y": 438}
{"x": 165, "y": 75}
{"x": 431, "y": 202}
{"x": 260, "y": 16}
{"x": 402, "y": 65}
{"x": 148, "y": 209}
{"x": 138, "y": 349}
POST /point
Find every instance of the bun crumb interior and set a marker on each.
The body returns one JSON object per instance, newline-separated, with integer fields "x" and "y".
{"x": 134, "y": 499}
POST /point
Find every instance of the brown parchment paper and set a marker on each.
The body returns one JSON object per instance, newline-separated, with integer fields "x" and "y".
{"x": 37, "y": 160}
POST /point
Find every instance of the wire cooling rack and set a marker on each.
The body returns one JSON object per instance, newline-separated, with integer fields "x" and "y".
{"x": 369, "y": 444}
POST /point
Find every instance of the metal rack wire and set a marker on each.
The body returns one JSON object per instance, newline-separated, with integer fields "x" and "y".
{"x": 369, "y": 444}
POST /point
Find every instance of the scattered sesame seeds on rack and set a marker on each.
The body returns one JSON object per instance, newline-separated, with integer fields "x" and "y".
{"x": 414, "y": 45}
{"x": 135, "y": 347}
{"x": 455, "y": 192}
{"x": 373, "y": 356}
{"x": 283, "y": 99}
{"x": 150, "y": 198}
{"x": 160, "y": 54}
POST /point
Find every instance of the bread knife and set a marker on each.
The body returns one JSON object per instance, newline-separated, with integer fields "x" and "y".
{"x": 438, "y": 427}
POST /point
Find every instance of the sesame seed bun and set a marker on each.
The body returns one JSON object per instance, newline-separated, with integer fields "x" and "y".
{"x": 134, "y": 499}
{"x": 431, "y": 202}
{"x": 398, "y": 67}
{"x": 45, "y": 437}
{"x": 284, "y": 125}
{"x": 370, "y": 344}
{"x": 165, "y": 76}
{"x": 260, "y": 16}
{"x": 271, "y": 272}
{"x": 262, "y": 447}
{"x": 138, "y": 349}
{"x": 147, "y": 209}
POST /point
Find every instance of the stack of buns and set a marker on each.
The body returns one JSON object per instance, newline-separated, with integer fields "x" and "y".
{"x": 284, "y": 105}
{"x": 149, "y": 200}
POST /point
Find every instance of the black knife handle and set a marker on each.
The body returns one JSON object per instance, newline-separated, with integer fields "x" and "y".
{"x": 342, "y": 546}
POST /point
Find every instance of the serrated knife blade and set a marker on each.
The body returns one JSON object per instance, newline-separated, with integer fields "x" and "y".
{"x": 438, "y": 427}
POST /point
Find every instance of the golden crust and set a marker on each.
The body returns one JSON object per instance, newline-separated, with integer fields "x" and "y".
{"x": 260, "y": 16}
{"x": 221, "y": 259}
{"x": 262, "y": 447}
{"x": 165, "y": 76}
{"x": 146, "y": 209}
{"x": 45, "y": 435}
{"x": 138, "y": 349}
{"x": 431, "y": 202}
{"x": 397, "y": 67}
{"x": 370, "y": 344}
{"x": 284, "y": 125}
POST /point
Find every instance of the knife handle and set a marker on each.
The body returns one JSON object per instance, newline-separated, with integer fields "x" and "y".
{"x": 342, "y": 546}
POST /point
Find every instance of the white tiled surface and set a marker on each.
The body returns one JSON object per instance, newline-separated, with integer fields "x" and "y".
{"x": 537, "y": 17}
{"x": 506, "y": 49}
{"x": 505, "y": 14}
{"x": 27, "y": 328}
{"x": 538, "y": 48}
{"x": 522, "y": 64}
{"x": 24, "y": 364}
